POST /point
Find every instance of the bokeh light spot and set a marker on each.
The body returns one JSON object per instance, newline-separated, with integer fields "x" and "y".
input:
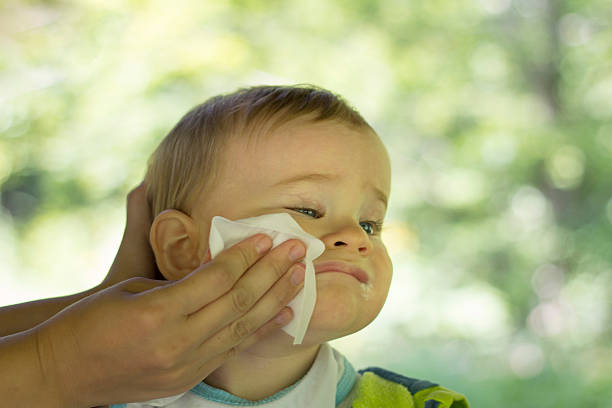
{"x": 566, "y": 167}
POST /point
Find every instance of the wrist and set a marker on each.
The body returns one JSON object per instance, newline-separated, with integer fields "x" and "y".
{"x": 22, "y": 383}
{"x": 52, "y": 376}
{"x": 58, "y": 378}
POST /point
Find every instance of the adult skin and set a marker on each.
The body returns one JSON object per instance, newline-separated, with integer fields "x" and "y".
{"x": 142, "y": 338}
{"x": 134, "y": 259}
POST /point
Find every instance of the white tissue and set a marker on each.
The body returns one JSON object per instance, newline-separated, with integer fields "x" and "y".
{"x": 279, "y": 227}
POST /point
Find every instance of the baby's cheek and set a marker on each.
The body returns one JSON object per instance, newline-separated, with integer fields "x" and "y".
{"x": 382, "y": 266}
{"x": 377, "y": 294}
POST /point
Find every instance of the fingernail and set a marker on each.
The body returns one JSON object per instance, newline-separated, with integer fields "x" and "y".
{"x": 206, "y": 258}
{"x": 282, "y": 317}
{"x": 296, "y": 252}
{"x": 297, "y": 276}
{"x": 263, "y": 244}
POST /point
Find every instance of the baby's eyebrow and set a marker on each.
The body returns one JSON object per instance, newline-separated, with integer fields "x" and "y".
{"x": 318, "y": 177}
{"x": 308, "y": 177}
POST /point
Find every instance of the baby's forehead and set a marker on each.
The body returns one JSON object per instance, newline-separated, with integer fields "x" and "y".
{"x": 304, "y": 142}
{"x": 308, "y": 149}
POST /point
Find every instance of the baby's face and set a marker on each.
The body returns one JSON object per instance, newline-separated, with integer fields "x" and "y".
{"x": 340, "y": 203}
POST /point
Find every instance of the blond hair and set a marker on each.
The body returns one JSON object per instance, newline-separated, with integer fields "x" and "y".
{"x": 186, "y": 161}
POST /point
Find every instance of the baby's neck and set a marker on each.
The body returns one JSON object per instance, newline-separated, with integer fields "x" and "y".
{"x": 256, "y": 373}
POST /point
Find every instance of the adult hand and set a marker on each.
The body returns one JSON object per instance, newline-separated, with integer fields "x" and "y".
{"x": 143, "y": 339}
{"x": 134, "y": 259}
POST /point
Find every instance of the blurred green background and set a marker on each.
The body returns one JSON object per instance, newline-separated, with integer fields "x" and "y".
{"x": 497, "y": 115}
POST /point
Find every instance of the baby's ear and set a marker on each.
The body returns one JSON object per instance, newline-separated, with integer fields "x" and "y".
{"x": 174, "y": 239}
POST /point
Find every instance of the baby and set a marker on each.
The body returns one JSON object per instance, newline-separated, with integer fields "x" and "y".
{"x": 303, "y": 151}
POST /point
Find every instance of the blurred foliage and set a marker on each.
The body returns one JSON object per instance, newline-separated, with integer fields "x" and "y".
{"x": 497, "y": 115}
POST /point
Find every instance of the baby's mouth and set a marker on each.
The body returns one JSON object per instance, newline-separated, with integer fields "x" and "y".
{"x": 343, "y": 267}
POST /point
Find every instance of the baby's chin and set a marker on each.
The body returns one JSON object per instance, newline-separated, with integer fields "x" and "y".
{"x": 343, "y": 302}
{"x": 343, "y": 307}
{"x": 337, "y": 313}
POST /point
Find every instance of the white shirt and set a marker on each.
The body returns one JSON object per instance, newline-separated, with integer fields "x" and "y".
{"x": 328, "y": 381}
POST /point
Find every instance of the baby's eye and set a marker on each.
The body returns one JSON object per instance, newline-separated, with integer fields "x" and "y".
{"x": 306, "y": 211}
{"x": 370, "y": 227}
{"x": 375, "y": 227}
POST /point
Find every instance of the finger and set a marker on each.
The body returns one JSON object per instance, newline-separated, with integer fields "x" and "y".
{"x": 134, "y": 257}
{"x": 212, "y": 280}
{"x": 138, "y": 209}
{"x": 139, "y": 216}
{"x": 208, "y": 365}
{"x": 138, "y": 224}
{"x": 242, "y": 328}
{"x": 248, "y": 291}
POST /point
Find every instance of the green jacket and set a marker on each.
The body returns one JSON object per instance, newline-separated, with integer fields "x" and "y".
{"x": 380, "y": 388}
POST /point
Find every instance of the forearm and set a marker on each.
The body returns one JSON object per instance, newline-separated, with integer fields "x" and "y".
{"x": 24, "y": 316}
{"x": 22, "y": 381}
